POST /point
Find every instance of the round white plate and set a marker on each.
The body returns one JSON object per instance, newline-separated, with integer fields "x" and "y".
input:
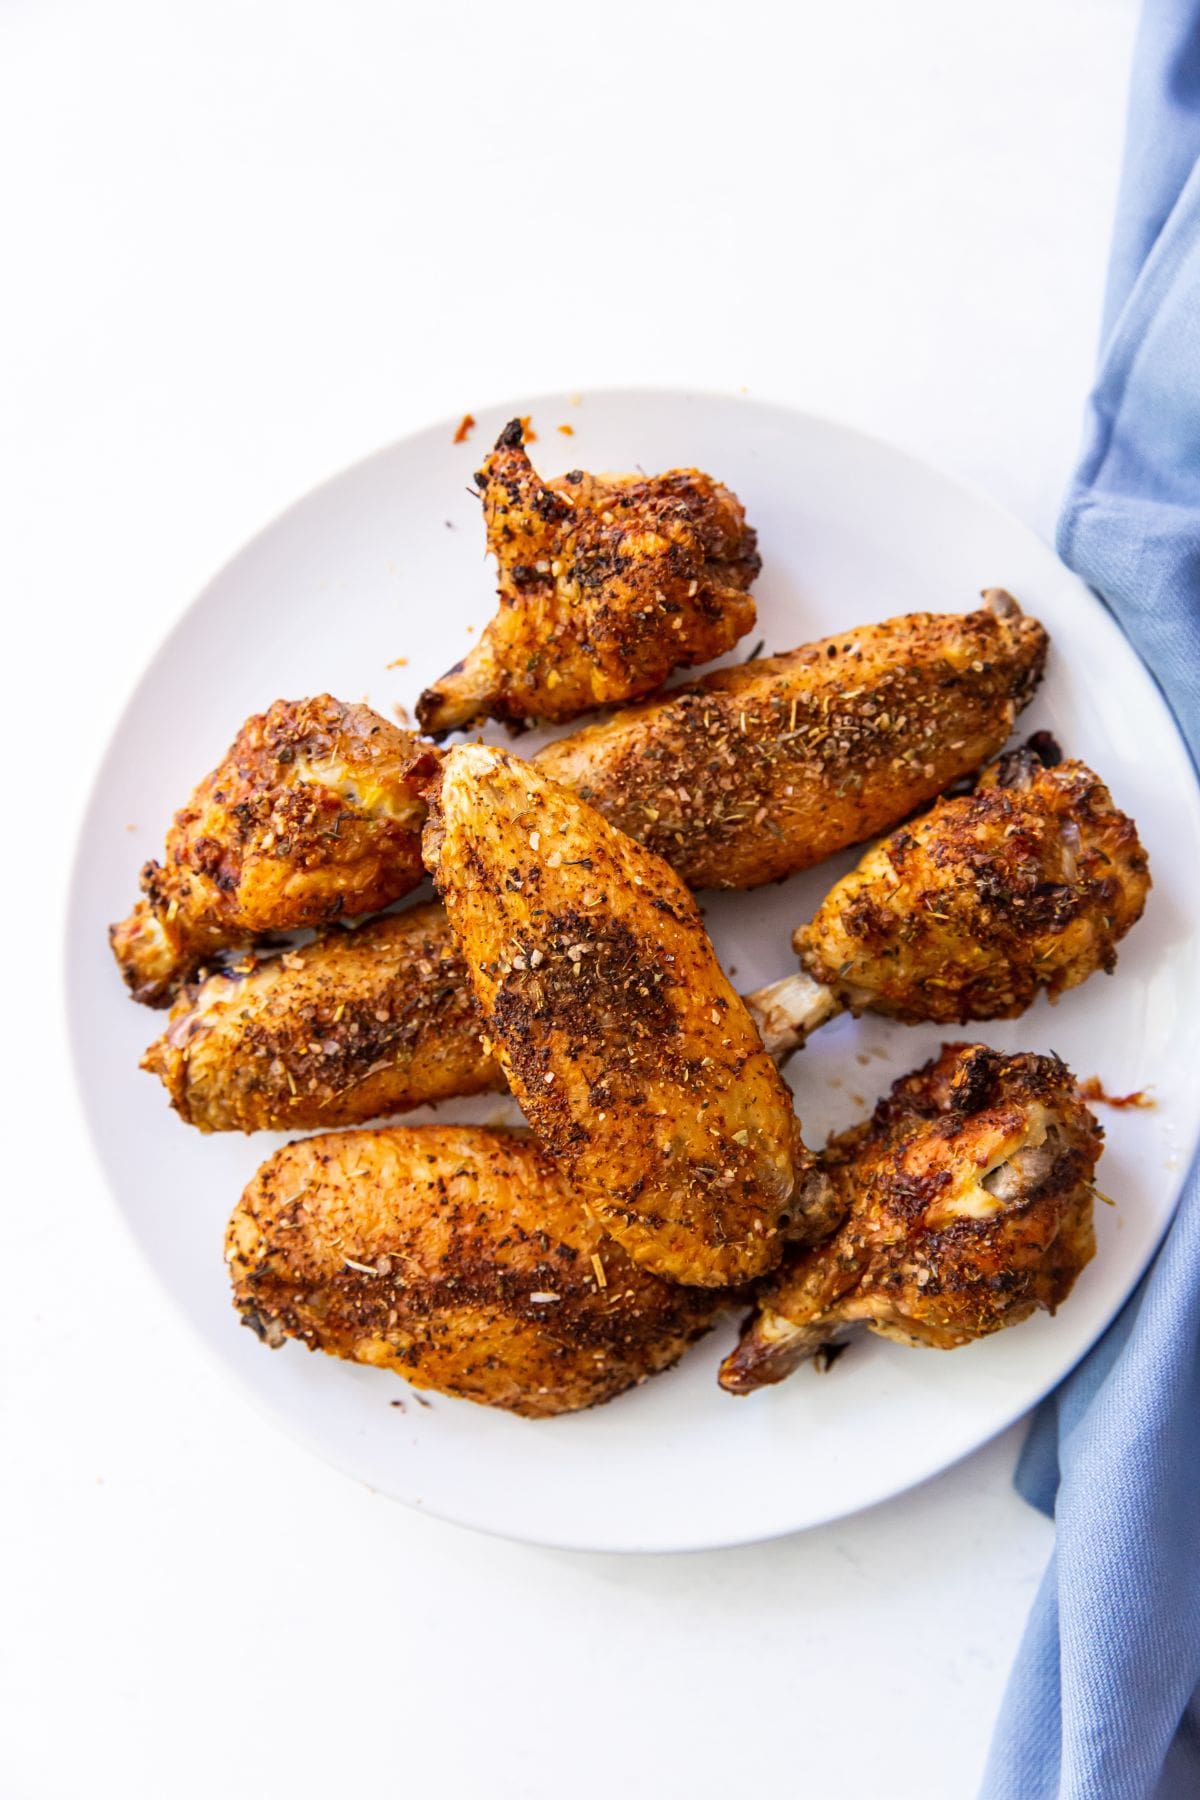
{"x": 386, "y": 561}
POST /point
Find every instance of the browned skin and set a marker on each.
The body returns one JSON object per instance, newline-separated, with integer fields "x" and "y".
{"x": 456, "y": 1257}
{"x": 716, "y": 779}
{"x": 607, "y": 583}
{"x": 632, "y": 1058}
{"x": 968, "y": 1204}
{"x": 1028, "y": 883}
{"x": 353, "y": 1026}
{"x": 761, "y": 770}
{"x": 315, "y": 813}
{"x": 967, "y": 913}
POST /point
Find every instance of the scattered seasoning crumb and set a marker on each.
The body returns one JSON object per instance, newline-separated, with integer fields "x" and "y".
{"x": 398, "y": 1403}
{"x": 466, "y": 427}
{"x": 1092, "y": 1089}
{"x": 543, "y": 1299}
{"x": 567, "y": 430}
{"x": 401, "y": 712}
{"x": 529, "y": 435}
{"x": 401, "y": 662}
{"x": 598, "y": 1266}
{"x": 131, "y": 828}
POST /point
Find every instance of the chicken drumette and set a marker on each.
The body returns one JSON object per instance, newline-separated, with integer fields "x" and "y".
{"x": 607, "y": 583}
{"x": 632, "y": 1058}
{"x": 457, "y": 1257}
{"x": 315, "y": 812}
{"x": 967, "y": 1205}
{"x": 1027, "y": 883}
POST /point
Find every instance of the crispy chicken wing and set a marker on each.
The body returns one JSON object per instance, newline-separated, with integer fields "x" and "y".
{"x": 315, "y": 813}
{"x": 966, "y": 913}
{"x": 631, "y": 1056}
{"x": 607, "y": 583}
{"x": 353, "y": 1026}
{"x": 1028, "y": 883}
{"x": 456, "y": 1257}
{"x": 764, "y": 769}
{"x": 732, "y": 783}
{"x": 968, "y": 1205}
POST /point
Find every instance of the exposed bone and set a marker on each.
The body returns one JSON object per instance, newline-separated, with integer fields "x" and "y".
{"x": 787, "y": 1011}
{"x": 1001, "y": 602}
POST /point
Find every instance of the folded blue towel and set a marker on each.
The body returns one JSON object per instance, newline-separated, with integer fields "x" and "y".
{"x": 1104, "y": 1700}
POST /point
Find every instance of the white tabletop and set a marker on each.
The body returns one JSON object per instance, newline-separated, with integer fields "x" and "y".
{"x": 243, "y": 245}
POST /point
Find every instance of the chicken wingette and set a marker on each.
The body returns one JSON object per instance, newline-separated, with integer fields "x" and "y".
{"x": 314, "y": 814}
{"x": 607, "y": 583}
{"x": 458, "y": 1258}
{"x": 1025, "y": 885}
{"x": 967, "y": 1205}
{"x": 748, "y": 776}
{"x": 355, "y": 1025}
{"x": 631, "y": 1056}
{"x": 761, "y": 770}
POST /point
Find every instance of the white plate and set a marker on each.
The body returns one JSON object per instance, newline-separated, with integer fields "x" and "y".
{"x": 387, "y": 561}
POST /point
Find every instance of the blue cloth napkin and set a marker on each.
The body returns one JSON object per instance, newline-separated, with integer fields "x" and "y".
{"x": 1104, "y": 1700}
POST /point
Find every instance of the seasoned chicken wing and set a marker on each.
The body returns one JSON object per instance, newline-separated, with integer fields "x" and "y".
{"x": 968, "y": 1205}
{"x": 353, "y": 1026}
{"x": 631, "y": 1056}
{"x": 458, "y": 1258}
{"x": 315, "y": 813}
{"x": 607, "y": 583}
{"x": 1026, "y": 884}
{"x": 966, "y": 913}
{"x": 764, "y": 769}
{"x": 732, "y": 783}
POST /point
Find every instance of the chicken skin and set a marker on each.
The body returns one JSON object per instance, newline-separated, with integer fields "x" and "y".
{"x": 761, "y": 770}
{"x": 356, "y": 1025}
{"x": 968, "y": 1205}
{"x": 456, "y": 1257}
{"x": 967, "y": 913}
{"x": 632, "y": 1058}
{"x": 1027, "y": 884}
{"x": 315, "y": 813}
{"x": 607, "y": 583}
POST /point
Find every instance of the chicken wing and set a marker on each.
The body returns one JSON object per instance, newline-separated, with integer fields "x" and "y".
{"x": 315, "y": 813}
{"x": 764, "y": 769}
{"x": 354, "y": 1026}
{"x": 731, "y": 783}
{"x": 607, "y": 583}
{"x": 1026, "y": 884}
{"x": 968, "y": 1205}
{"x": 967, "y": 913}
{"x": 456, "y": 1257}
{"x": 631, "y": 1056}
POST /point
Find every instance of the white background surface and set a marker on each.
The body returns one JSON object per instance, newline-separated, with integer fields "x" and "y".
{"x": 243, "y": 245}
